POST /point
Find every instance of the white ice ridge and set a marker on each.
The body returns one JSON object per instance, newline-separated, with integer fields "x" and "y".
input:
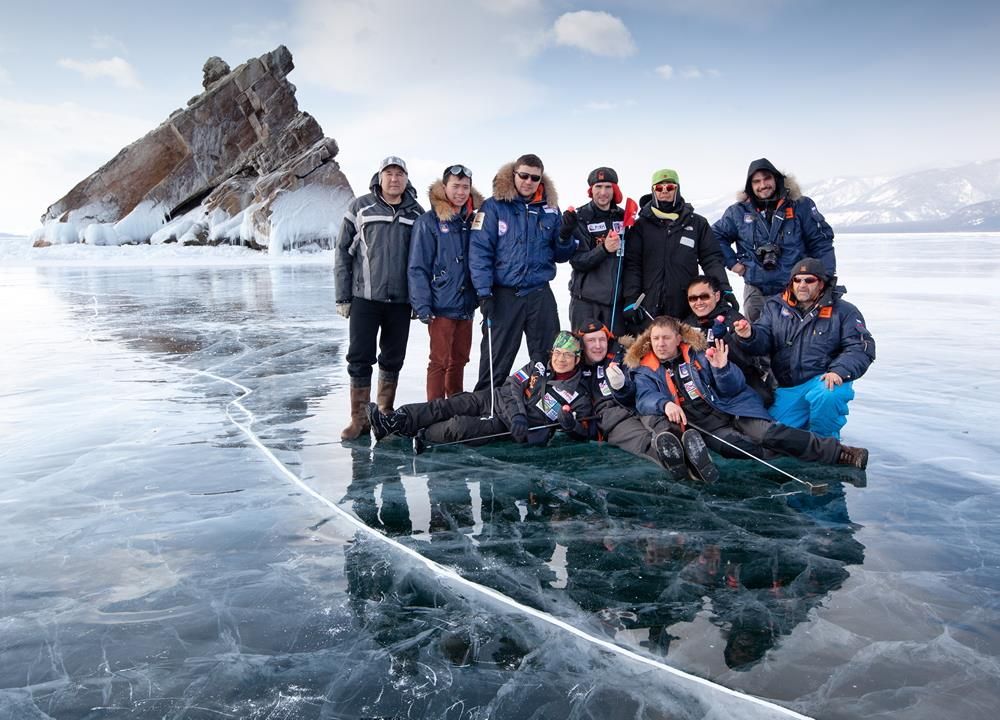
{"x": 449, "y": 574}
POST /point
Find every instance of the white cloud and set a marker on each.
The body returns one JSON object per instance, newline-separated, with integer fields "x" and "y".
{"x": 117, "y": 69}
{"x": 53, "y": 147}
{"x": 596, "y": 32}
{"x": 691, "y": 73}
{"x": 665, "y": 71}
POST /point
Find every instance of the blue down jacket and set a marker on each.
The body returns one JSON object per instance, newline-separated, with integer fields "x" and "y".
{"x": 438, "y": 270}
{"x": 831, "y": 337}
{"x": 796, "y": 227}
{"x": 724, "y": 389}
{"x": 515, "y": 243}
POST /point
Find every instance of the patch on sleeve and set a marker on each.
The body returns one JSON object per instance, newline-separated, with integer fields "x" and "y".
{"x": 521, "y": 376}
{"x": 501, "y": 228}
{"x": 477, "y": 223}
{"x": 814, "y": 211}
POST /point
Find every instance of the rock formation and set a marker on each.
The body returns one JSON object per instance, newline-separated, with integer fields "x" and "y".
{"x": 240, "y": 164}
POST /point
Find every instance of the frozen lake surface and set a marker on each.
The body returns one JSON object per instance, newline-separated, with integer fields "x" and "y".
{"x": 184, "y": 535}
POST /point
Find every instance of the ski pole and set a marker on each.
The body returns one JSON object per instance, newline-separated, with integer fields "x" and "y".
{"x": 814, "y": 488}
{"x": 419, "y": 446}
{"x": 638, "y": 304}
{"x": 489, "y": 345}
{"x": 631, "y": 208}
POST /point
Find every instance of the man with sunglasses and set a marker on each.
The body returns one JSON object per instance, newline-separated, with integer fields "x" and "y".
{"x": 773, "y": 226}
{"x": 818, "y": 345}
{"x": 440, "y": 289}
{"x": 665, "y": 248}
{"x": 513, "y": 251}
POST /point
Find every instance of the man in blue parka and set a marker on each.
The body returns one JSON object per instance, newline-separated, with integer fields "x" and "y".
{"x": 772, "y": 226}
{"x": 441, "y": 291}
{"x": 818, "y": 345}
{"x": 513, "y": 252}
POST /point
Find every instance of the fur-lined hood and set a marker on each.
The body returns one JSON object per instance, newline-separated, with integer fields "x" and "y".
{"x": 504, "y": 190}
{"x": 443, "y": 209}
{"x": 792, "y": 190}
{"x": 642, "y": 345}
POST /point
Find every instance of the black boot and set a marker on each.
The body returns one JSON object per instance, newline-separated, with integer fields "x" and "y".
{"x": 668, "y": 449}
{"x": 856, "y": 457}
{"x": 700, "y": 462}
{"x": 382, "y": 424}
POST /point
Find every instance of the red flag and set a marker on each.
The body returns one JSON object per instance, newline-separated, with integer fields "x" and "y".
{"x": 631, "y": 210}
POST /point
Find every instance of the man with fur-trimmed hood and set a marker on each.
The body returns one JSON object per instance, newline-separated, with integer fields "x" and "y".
{"x": 773, "y": 226}
{"x": 440, "y": 288}
{"x": 513, "y": 251}
{"x": 680, "y": 382}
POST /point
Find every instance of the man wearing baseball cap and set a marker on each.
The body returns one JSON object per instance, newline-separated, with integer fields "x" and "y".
{"x": 597, "y": 227}
{"x": 818, "y": 345}
{"x": 370, "y": 264}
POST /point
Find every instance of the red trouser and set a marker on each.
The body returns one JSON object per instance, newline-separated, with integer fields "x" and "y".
{"x": 451, "y": 341}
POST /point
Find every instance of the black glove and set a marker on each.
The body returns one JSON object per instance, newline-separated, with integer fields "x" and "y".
{"x": 729, "y": 298}
{"x": 566, "y": 420}
{"x": 568, "y": 224}
{"x": 636, "y": 316}
{"x": 486, "y": 306}
{"x": 425, "y": 319}
{"x": 519, "y": 428}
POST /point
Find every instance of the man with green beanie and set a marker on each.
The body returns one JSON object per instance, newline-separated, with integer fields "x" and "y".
{"x": 666, "y": 246}
{"x": 530, "y": 405}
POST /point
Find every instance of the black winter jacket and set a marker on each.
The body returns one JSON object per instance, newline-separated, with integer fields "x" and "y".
{"x": 595, "y": 269}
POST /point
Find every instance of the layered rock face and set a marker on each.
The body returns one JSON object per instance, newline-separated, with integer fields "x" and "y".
{"x": 240, "y": 164}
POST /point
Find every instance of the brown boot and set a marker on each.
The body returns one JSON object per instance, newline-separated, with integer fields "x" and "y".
{"x": 360, "y": 397}
{"x": 856, "y": 457}
{"x": 386, "y": 393}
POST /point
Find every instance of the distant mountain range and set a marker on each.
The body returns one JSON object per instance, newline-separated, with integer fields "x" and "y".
{"x": 963, "y": 198}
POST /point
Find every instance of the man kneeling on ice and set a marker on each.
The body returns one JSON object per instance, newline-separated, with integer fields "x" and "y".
{"x": 530, "y": 406}
{"x": 700, "y": 397}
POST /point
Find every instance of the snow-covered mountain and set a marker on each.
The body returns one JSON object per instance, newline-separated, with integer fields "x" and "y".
{"x": 966, "y": 197}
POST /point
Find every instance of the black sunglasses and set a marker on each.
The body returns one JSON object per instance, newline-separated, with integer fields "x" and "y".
{"x": 459, "y": 171}
{"x": 808, "y": 280}
{"x": 696, "y": 298}
{"x": 528, "y": 176}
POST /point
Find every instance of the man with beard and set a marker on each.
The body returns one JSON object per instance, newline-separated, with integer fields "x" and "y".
{"x": 665, "y": 248}
{"x": 818, "y": 345}
{"x": 773, "y": 226}
{"x": 596, "y": 227}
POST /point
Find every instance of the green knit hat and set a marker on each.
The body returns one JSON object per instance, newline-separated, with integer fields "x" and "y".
{"x": 665, "y": 175}
{"x": 566, "y": 342}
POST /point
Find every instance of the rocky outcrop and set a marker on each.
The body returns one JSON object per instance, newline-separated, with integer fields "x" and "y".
{"x": 240, "y": 164}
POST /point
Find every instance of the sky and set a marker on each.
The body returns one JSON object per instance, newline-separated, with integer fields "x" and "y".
{"x": 823, "y": 89}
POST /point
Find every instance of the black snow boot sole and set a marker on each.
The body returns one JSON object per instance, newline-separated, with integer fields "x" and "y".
{"x": 700, "y": 462}
{"x": 671, "y": 453}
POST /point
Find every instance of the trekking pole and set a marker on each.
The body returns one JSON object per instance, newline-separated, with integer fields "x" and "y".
{"x": 814, "y": 488}
{"x": 638, "y": 304}
{"x": 419, "y": 446}
{"x": 631, "y": 208}
{"x": 489, "y": 345}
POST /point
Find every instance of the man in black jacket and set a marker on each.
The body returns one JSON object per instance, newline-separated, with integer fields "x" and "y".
{"x": 665, "y": 248}
{"x": 597, "y": 227}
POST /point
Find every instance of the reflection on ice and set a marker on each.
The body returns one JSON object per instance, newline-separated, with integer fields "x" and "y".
{"x": 157, "y": 563}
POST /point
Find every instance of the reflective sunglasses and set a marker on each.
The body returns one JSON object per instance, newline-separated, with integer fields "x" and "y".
{"x": 528, "y": 176}
{"x": 459, "y": 171}
{"x": 664, "y": 187}
{"x": 808, "y": 279}
{"x": 696, "y": 298}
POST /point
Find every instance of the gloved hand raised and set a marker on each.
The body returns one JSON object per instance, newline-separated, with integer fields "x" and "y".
{"x": 615, "y": 375}
{"x": 566, "y": 420}
{"x": 344, "y": 309}
{"x": 519, "y": 428}
{"x": 568, "y": 224}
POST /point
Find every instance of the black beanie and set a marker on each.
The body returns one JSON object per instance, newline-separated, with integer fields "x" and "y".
{"x": 602, "y": 174}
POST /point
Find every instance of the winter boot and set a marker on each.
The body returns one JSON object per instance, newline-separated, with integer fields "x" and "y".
{"x": 671, "y": 453}
{"x": 699, "y": 461}
{"x": 856, "y": 457}
{"x": 360, "y": 397}
{"x": 383, "y": 424}
{"x": 386, "y": 392}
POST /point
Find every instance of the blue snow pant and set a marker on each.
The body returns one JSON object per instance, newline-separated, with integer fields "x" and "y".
{"x": 810, "y": 406}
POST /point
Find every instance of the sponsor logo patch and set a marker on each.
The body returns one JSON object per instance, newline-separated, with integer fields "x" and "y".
{"x": 550, "y": 209}
{"x": 687, "y": 242}
{"x": 603, "y": 387}
{"x": 443, "y": 227}
{"x": 549, "y": 406}
{"x": 618, "y": 226}
{"x": 748, "y": 218}
{"x": 691, "y": 389}
{"x": 597, "y": 227}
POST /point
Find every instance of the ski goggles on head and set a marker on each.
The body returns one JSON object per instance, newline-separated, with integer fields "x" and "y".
{"x": 459, "y": 171}
{"x": 664, "y": 187}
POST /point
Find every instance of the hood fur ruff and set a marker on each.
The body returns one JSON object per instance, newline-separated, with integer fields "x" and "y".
{"x": 792, "y": 190}
{"x": 439, "y": 202}
{"x": 642, "y": 345}
{"x": 503, "y": 186}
